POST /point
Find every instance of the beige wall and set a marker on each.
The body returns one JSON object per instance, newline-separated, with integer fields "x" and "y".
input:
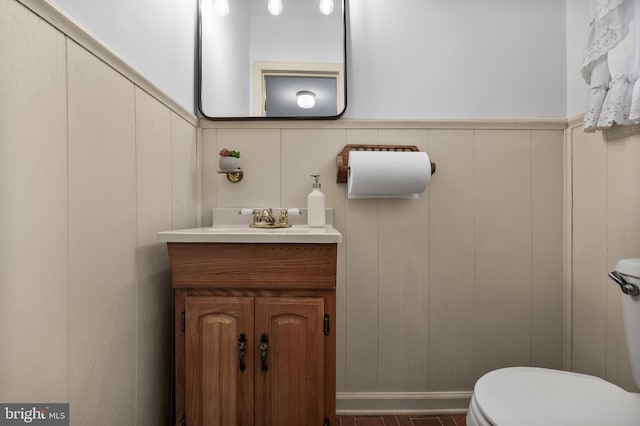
{"x": 606, "y": 227}
{"x": 432, "y": 293}
{"x": 91, "y": 167}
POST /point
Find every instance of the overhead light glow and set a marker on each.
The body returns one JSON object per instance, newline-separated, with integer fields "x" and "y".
{"x": 306, "y": 99}
{"x": 326, "y": 7}
{"x": 221, "y": 8}
{"x": 275, "y": 7}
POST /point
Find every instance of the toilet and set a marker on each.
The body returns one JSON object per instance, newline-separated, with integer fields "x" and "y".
{"x": 523, "y": 396}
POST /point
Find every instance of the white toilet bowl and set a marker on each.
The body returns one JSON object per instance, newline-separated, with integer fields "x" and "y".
{"x": 523, "y": 396}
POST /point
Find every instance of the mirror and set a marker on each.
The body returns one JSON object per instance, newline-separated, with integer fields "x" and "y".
{"x": 271, "y": 59}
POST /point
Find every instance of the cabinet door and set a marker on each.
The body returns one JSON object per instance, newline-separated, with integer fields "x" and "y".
{"x": 219, "y": 378}
{"x": 291, "y": 390}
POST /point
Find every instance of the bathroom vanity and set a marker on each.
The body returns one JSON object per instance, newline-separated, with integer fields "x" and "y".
{"x": 254, "y": 315}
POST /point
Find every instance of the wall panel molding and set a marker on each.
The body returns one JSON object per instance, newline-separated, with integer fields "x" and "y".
{"x": 347, "y": 123}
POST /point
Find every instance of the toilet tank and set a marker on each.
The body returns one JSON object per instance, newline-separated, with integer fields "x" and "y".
{"x": 630, "y": 270}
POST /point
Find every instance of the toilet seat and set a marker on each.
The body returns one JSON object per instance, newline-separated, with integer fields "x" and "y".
{"x": 537, "y": 396}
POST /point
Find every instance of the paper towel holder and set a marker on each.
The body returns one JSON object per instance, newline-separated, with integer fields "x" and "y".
{"x": 342, "y": 160}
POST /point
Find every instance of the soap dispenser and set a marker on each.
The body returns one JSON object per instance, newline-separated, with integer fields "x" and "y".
{"x": 315, "y": 205}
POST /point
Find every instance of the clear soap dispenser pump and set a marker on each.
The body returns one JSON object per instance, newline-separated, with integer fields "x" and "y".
{"x": 316, "y": 205}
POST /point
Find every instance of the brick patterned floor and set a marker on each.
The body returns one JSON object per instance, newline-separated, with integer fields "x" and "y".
{"x": 442, "y": 420}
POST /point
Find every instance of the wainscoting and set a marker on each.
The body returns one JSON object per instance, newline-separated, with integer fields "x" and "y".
{"x": 432, "y": 293}
{"x": 605, "y": 227}
{"x": 91, "y": 167}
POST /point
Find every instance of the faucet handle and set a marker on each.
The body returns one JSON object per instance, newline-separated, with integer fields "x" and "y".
{"x": 284, "y": 217}
{"x": 256, "y": 213}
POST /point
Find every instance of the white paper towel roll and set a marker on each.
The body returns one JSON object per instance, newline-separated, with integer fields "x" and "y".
{"x": 388, "y": 174}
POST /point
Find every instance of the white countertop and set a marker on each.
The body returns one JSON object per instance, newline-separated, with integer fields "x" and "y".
{"x": 244, "y": 234}
{"x": 229, "y": 227}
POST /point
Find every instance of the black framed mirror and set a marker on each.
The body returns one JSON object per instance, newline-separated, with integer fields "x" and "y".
{"x": 271, "y": 59}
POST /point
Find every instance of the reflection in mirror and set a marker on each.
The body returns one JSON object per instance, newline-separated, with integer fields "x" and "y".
{"x": 257, "y": 56}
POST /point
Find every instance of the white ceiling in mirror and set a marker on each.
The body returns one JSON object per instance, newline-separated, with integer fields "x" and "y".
{"x": 237, "y": 35}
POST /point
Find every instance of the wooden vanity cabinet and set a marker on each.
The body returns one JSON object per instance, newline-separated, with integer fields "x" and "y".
{"x": 254, "y": 333}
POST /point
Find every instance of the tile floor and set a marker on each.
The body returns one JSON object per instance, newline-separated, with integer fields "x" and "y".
{"x": 442, "y": 420}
